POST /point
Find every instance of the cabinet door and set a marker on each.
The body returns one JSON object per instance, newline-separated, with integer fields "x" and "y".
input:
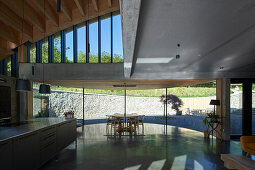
{"x": 26, "y": 151}
{"x": 6, "y": 155}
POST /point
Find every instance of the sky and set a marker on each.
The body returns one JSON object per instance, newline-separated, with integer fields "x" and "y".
{"x": 93, "y": 38}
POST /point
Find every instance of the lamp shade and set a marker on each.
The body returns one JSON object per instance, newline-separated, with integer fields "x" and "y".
{"x": 44, "y": 89}
{"x": 23, "y": 85}
{"x": 215, "y": 102}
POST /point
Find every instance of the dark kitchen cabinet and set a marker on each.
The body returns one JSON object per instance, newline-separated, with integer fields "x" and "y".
{"x": 6, "y": 155}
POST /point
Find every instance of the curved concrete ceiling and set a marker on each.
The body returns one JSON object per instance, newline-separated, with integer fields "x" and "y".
{"x": 216, "y": 39}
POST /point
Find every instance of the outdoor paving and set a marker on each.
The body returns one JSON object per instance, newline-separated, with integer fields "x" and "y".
{"x": 181, "y": 148}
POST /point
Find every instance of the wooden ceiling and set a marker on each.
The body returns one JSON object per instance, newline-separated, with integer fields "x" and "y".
{"x": 38, "y": 22}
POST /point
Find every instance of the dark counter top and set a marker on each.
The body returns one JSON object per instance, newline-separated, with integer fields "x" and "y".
{"x": 29, "y": 127}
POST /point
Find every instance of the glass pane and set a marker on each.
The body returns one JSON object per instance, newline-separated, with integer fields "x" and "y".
{"x": 9, "y": 66}
{"x": 69, "y": 45}
{"x": 106, "y": 39}
{"x": 93, "y": 41}
{"x": 45, "y": 51}
{"x": 117, "y": 39}
{"x": 236, "y": 95}
{"x": 81, "y": 39}
{"x": 57, "y": 48}
{"x": 32, "y": 53}
{"x": 37, "y": 108}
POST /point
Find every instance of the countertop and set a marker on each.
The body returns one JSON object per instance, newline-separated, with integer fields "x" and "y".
{"x": 30, "y": 126}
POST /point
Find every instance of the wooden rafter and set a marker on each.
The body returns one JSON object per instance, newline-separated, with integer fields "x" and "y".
{"x": 66, "y": 10}
{"x": 80, "y": 5}
{"x": 30, "y": 14}
{"x": 95, "y": 4}
{"x": 9, "y": 33}
{"x": 50, "y": 13}
{"x": 72, "y": 12}
{"x": 110, "y": 3}
{"x": 8, "y": 17}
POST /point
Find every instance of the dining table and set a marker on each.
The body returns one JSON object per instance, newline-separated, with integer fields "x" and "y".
{"x": 126, "y": 122}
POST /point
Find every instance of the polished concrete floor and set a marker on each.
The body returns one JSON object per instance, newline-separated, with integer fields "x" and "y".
{"x": 180, "y": 149}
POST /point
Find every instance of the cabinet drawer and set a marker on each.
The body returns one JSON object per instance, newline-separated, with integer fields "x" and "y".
{"x": 46, "y": 132}
{"x": 47, "y": 152}
{"x": 47, "y": 139}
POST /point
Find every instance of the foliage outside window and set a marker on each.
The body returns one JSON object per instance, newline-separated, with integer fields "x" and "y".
{"x": 33, "y": 53}
{"x": 57, "y": 48}
{"x": 45, "y": 58}
{"x": 81, "y": 43}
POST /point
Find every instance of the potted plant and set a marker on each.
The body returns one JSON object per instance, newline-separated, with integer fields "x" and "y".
{"x": 175, "y": 101}
{"x": 213, "y": 117}
{"x": 69, "y": 114}
{"x": 206, "y": 132}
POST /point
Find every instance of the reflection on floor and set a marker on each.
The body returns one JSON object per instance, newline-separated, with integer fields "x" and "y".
{"x": 180, "y": 149}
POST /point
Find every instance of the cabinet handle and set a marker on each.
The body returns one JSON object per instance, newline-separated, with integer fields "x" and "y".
{"x": 24, "y": 137}
{"x": 47, "y": 137}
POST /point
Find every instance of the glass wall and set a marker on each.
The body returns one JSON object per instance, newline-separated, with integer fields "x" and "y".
{"x": 45, "y": 58}
{"x": 93, "y": 41}
{"x": 236, "y": 95}
{"x": 81, "y": 43}
{"x": 57, "y": 48}
{"x": 110, "y": 42}
{"x": 106, "y": 38}
{"x": 69, "y": 45}
{"x": 117, "y": 38}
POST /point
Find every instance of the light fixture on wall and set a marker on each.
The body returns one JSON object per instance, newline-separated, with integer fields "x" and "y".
{"x": 44, "y": 88}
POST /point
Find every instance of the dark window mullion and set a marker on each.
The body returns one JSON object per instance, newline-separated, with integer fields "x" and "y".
{"x": 63, "y": 46}
{"x": 75, "y": 48}
{"x": 99, "y": 39}
{"x": 87, "y": 42}
{"x": 111, "y": 40}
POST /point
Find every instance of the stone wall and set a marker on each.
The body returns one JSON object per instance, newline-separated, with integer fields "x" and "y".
{"x": 100, "y": 105}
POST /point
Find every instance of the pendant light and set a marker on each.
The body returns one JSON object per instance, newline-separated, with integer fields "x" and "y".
{"x": 23, "y": 84}
{"x": 44, "y": 88}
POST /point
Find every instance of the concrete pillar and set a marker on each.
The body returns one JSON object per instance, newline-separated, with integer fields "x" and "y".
{"x": 223, "y": 94}
{"x": 129, "y": 11}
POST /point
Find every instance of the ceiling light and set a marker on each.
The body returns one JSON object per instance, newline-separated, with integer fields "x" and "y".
{"x": 153, "y": 60}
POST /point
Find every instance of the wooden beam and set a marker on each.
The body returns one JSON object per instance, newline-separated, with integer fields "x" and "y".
{"x": 95, "y": 4}
{"x": 8, "y": 17}
{"x": 80, "y": 5}
{"x": 9, "y": 33}
{"x": 50, "y": 13}
{"x": 110, "y": 3}
{"x": 30, "y": 14}
{"x": 77, "y": 18}
{"x": 66, "y": 10}
{"x": 5, "y": 49}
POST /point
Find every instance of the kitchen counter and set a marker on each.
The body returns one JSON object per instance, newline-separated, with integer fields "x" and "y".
{"x": 30, "y": 126}
{"x": 30, "y": 144}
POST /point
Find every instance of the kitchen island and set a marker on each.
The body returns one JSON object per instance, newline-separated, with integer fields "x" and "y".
{"x": 33, "y": 143}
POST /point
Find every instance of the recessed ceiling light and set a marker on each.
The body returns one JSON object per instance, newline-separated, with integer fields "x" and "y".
{"x": 153, "y": 60}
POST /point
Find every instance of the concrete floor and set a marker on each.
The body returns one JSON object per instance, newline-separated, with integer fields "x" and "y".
{"x": 180, "y": 149}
